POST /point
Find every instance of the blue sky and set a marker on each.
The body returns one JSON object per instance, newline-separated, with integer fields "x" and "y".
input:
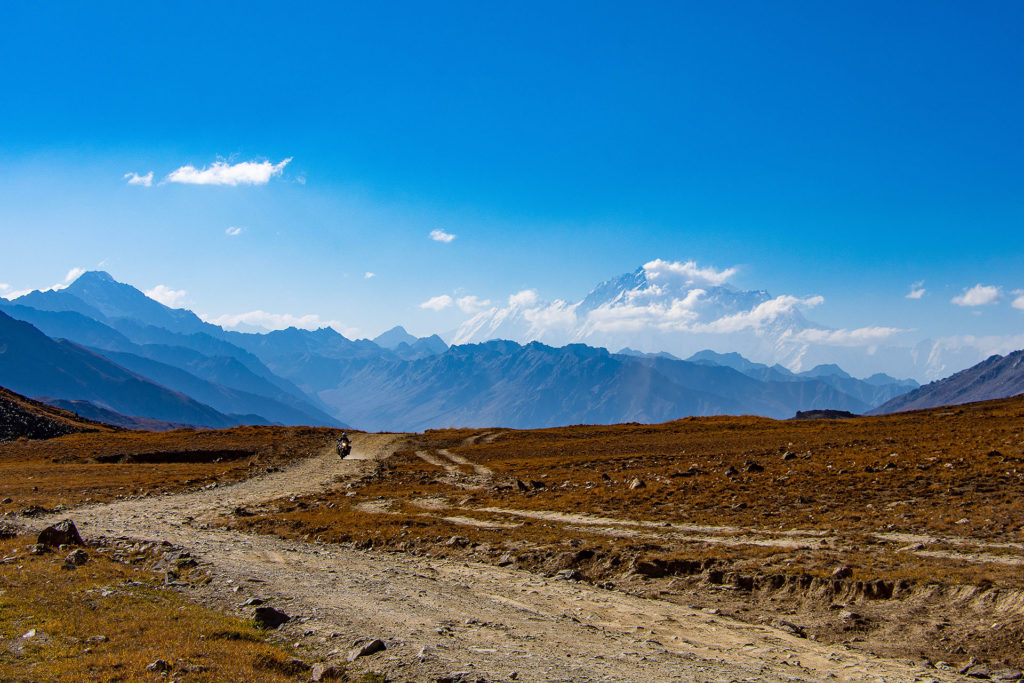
{"x": 841, "y": 149}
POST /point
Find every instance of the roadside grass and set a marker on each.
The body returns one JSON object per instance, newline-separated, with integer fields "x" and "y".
{"x": 105, "y": 622}
{"x": 98, "y": 467}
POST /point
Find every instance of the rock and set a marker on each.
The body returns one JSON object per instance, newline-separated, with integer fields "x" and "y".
{"x": 569, "y": 575}
{"x": 789, "y": 627}
{"x": 521, "y": 485}
{"x": 29, "y": 634}
{"x": 7, "y": 531}
{"x": 34, "y": 511}
{"x": 788, "y": 455}
{"x": 77, "y": 557}
{"x": 327, "y": 672}
{"x": 847, "y": 615}
{"x": 268, "y": 617}
{"x": 1007, "y": 675}
{"x": 753, "y": 467}
{"x": 370, "y": 648}
{"x": 425, "y": 652}
{"x": 38, "y": 549}
{"x": 534, "y": 484}
{"x": 842, "y": 572}
{"x": 252, "y": 602}
{"x": 605, "y": 477}
{"x": 6, "y": 501}
{"x": 61, "y": 533}
{"x": 158, "y": 665}
{"x": 637, "y": 483}
{"x": 731, "y": 471}
{"x": 505, "y": 560}
{"x": 97, "y": 639}
{"x": 976, "y": 671}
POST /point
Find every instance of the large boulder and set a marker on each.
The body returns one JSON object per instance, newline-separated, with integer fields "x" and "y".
{"x": 61, "y": 533}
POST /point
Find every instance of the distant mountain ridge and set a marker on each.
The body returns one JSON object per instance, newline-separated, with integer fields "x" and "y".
{"x": 399, "y": 381}
{"x": 996, "y": 377}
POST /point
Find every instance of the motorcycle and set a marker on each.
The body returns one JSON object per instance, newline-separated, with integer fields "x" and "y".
{"x": 344, "y": 448}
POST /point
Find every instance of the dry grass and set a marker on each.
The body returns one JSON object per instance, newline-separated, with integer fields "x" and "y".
{"x": 139, "y": 622}
{"x": 96, "y": 467}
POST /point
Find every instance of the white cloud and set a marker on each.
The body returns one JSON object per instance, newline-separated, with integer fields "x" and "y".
{"x": 978, "y": 295}
{"x": 73, "y": 275}
{"x": 166, "y": 295}
{"x": 1018, "y": 303}
{"x": 437, "y": 303}
{"x": 275, "y": 321}
{"x": 862, "y": 336}
{"x": 472, "y": 304}
{"x": 917, "y": 290}
{"x": 223, "y": 173}
{"x": 439, "y": 235}
{"x": 759, "y": 315}
{"x": 234, "y": 231}
{"x": 689, "y": 271}
{"x": 527, "y": 298}
{"x": 368, "y": 275}
{"x": 136, "y": 179}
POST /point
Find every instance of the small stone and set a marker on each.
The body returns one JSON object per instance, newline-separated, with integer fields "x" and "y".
{"x": 252, "y": 602}
{"x": 29, "y": 634}
{"x": 326, "y": 672}
{"x": 77, "y": 557}
{"x": 753, "y": 467}
{"x": 788, "y": 455}
{"x": 637, "y": 483}
{"x": 569, "y": 575}
{"x": 370, "y": 648}
{"x": 38, "y": 549}
{"x": 97, "y": 639}
{"x": 6, "y": 501}
{"x": 1007, "y": 675}
{"x": 976, "y": 671}
{"x": 268, "y": 617}
{"x": 158, "y": 665}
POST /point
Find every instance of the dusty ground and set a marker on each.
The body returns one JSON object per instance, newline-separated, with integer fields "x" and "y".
{"x": 446, "y": 619}
{"x": 920, "y": 514}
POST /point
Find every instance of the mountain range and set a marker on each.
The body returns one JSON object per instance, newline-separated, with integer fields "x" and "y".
{"x": 996, "y": 377}
{"x": 107, "y": 343}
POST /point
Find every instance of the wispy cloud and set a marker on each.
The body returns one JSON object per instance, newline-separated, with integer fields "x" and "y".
{"x": 437, "y": 303}
{"x": 1018, "y": 302}
{"x": 73, "y": 275}
{"x": 136, "y": 179}
{"x": 688, "y": 271}
{"x": 978, "y": 295}
{"x": 439, "y": 235}
{"x": 917, "y": 290}
{"x": 166, "y": 295}
{"x": 862, "y": 336}
{"x": 234, "y": 231}
{"x": 472, "y": 304}
{"x": 369, "y": 276}
{"x": 223, "y": 173}
{"x": 276, "y": 321}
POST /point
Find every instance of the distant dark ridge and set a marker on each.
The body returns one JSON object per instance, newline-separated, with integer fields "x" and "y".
{"x": 823, "y": 415}
{"x": 85, "y": 409}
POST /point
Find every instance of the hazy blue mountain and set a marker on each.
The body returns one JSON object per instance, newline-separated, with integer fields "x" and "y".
{"x": 393, "y": 337}
{"x": 35, "y": 365}
{"x": 224, "y": 382}
{"x": 995, "y": 377}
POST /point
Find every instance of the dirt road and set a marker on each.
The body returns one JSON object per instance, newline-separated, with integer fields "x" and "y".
{"x": 441, "y": 618}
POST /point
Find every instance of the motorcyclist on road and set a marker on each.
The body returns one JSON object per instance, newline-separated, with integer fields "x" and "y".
{"x": 344, "y": 445}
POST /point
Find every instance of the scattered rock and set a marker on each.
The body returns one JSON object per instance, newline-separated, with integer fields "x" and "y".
{"x": 505, "y": 560}
{"x": 731, "y": 471}
{"x": 521, "y": 485}
{"x": 370, "y": 648}
{"x": 34, "y": 511}
{"x": 637, "y": 483}
{"x": 1007, "y": 675}
{"x": 76, "y": 557}
{"x": 252, "y": 602}
{"x": 159, "y": 665}
{"x": 788, "y": 455}
{"x": 569, "y": 575}
{"x": 327, "y": 672}
{"x": 61, "y": 533}
{"x": 976, "y": 671}
{"x": 29, "y": 634}
{"x": 842, "y": 572}
{"x": 6, "y": 501}
{"x": 7, "y": 531}
{"x": 268, "y": 617}
{"x": 753, "y": 467}
{"x": 38, "y": 549}
{"x": 534, "y": 484}
{"x": 97, "y": 639}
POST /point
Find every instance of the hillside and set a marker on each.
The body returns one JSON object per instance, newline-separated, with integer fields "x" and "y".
{"x": 23, "y": 417}
{"x": 35, "y": 365}
{"x": 996, "y": 377}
